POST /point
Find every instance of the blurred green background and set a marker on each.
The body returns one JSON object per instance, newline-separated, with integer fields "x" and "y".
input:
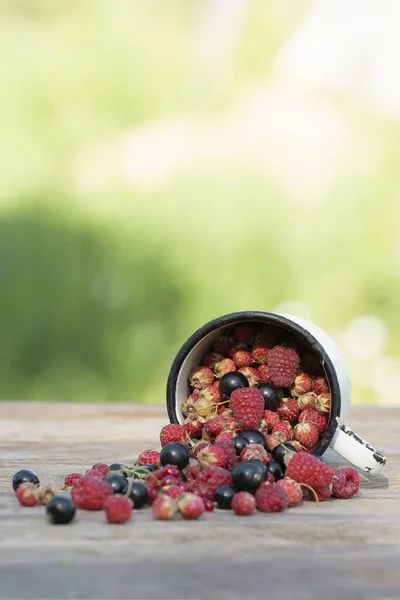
{"x": 166, "y": 162}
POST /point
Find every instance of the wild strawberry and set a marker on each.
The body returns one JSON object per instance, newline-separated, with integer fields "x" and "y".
{"x": 271, "y": 498}
{"x": 191, "y": 506}
{"x": 214, "y": 426}
{"x": 242, "y": 358}
{"x": 212, "y": 456}
{"x": 223, "y": 345}
{"x": 28, "y": 494}
{"x": 288, "y": 409}
{"x": 187, "y": 407}
{"x": 244, "y": 332}
{"x": 198, "y": 447}
{"x": 306, "y": 401}
{"x": 173, "y": 433}
{"x": 346, "y": 482}
{"x": 211, "y": 359}
{"x": 243, "y": 503}
{"x": 247, "y": 405}
{"x": 200, "y": 377}
{"x": 270, "y": 419}
{"x": 210, "y": 392}
{"x": 118, "y": 509}
{"x": 323, "y": 403}
{"x": 302, "y": 385}
{"x": 263, "y": 374}
{"x": 307, "y": 434}
{"x": 320, "y": 385}
{"x": 232, "y": 425}
{"x": 274, "y": 439}
{"x": 307, "y": 469}
{"x": 191, "y": 474}
{"x": 313, "y": 416}
{"x": 293, "y": 490}
{"x": 225, "y": 435}
{"x": 255, "y": 452}
{"x": 193, "y": 425}
{"x": 259, "y": 352}
{"x": 224, "y": 411}
{"x": 224, "y": 366}
{"x": 283, "y": 365}
{"x": 251, "y": 375}
{"x": 164, "y": 507}
{"x": 285, "y": 428}
{"x": 175, "y": 490}
{"x": 148, "y": 457}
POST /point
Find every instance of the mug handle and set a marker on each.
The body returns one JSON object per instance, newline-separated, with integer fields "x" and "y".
{"x": 357, "y": 451}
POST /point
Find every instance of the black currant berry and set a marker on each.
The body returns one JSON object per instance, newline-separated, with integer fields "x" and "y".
{"x": 261, "y": 466}
{"x": 254, "y": 437}
{"x": 174, "y": 454}
{"x": 247, "y": 476}
{"x": 240, "y": 443}
{"x": 223, "y": 496}
{"x": 138, "y": 494}
{"x": 22, "y": 477}
{"x": 281, "y": 451}
{"x": 231, "y": 382}
{"x": 275, "y": 469}
{"x": 60, "y": 510}
{"x": 118, "y": 483}
{"x": 119, "y": 468}
{"x": 272, "y": 395}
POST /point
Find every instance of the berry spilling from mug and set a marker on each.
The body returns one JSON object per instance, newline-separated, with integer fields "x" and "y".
{"x": 258, "y": 377}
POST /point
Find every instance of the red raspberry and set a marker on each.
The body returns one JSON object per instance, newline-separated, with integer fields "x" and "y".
{"x": 168, "y": 471}
{"x": 242, "y": 358}
{"x": 193, "y": 425}
{"x": 224, "y": 366}
{"x": 212, "y": 456}
{"x": 91, "y": 493}
{"x": 306, "y": 401}
{"x": 191, "y": 474}
{"x": 70, "y": 480}
{"x": 211, "y": 359}
{"x": 346, "y": 482}
{"x": 191, "y": 506}
{"x": 173, "y": 433}
{"x": 102, "y": 467}
{"x": 251, "y": 374}
{"x": 247, "y": 405}
{"x": 260, "y": 352}
{"x": 323, "y": 403}
{"x": 148, "y": 457}
{"x": 305, "y": 468}
{"x": 309, "y": 415}
{"x": 307, "y": 434}
{"x": 243, "y": 503}
{"x": 212, "y": 478}
{"x": 214, "y": 426}
{"x": 223, "y": 345}
{"x": 28, "y": 494}
{"x": 283, "y": 365}
{"x": 320, "y": 385}
{"x": 174, "y": 490}
{"x": 293, "y": 490}
{"x": 198, "y": 447}
{"x": 199, "y": 377}
{"x": 302, "y": 385}
{"x": 224, "y": 435}
{"x": 271, "y": 498}
{"x": 164, "y": 507}
{"x": 229, "y": 448}
{"x": 255, "y": 452}
{"x": 245, "y": 333}
{"x": 285, "y": 428}
{"x": 270, "y": 419}
{"x": 288, "y": 409}
{"x": 118, "y": 509}
{"x": 224, "y": 411}
{"x": 94, "y": 473}
{"x": 320, "y": 494}
{"x": 263, "y": 374}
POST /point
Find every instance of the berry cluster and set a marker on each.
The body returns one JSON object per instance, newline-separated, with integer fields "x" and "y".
{"x": 255, "y": 377}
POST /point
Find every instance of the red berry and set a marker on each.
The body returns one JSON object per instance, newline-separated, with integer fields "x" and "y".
{"x": 346, "y": 482}
{"x": 292, "y": 489}
{"x": 164, "y": 507}
{"x": 214, "y": 426}
{"x": 210, "y": 392}
{"x": 118, "y": 509}
{"x": 251, "y": 375}
{"x": 323, "y": 403}
{"x": 225, "y": 435}
{"x": 320, "y": 385}
{"x": 307, "y": 434}
{"x": 243, "y": 503}
{"x": 229, "y": 448}
{"x": 173, "y": 433}
{"x": 263, "y": 374}
{"x": 209, "y": 504}
{"x": 174, "y": 490}
{"x": 90, "y": 493}
{"x": 307, "y": 469}
{"x": 102, "y": 467}
{"x": 212, "y": 456}
{"x": 260, "y": 352}
{"x": 247, "y": 405}
{"x": 191, "y": 475}
{"x": 224, "y": 366}
{"x": 200, "y": 377}
{"x": 191, "y": 506}
{"x": 271, "y": 497}
{"x": 320, "y": 494}
{"x": 302, "y": 385}
{"x": 211, "y": 359}
{"x": 270, "y": 419}
{"x": 94, "y": 473}
{"x": 148, "y": 457}
{"x": 283, "y": 364}
{"x": 245, "y": 333}
{"x": 285, "y": 428}
{"x": 310, "y": 415}
{"x": 255, "y": 452}
{"x": 288, "y": 409}
{"x": 212, "y": 478}
{"x": 46, "y": 493}
{"x": 306, "y": 401}
{"x": 223, "y": 345}
{"x": 70, "y": 480}
{"x": 193, "y": 425}
{"x": 242, "y": 358}
{"x": 28, "y": 494}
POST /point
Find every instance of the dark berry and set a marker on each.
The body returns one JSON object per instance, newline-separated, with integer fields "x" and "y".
{"x": 232, "y": 381}
{"x": 174, "y": 454}
{"x": 280, "y": 452}
{"x": 60, "y": 510}
{"x": 275, "y": 469}
{"x": 240, "y": 443}
{"x": 138, "y": 494}
{"x": 247, "y": 476}
{"x": 223, "y": 496}
{"x": 254, "y": 437}
{"x": 118, "y": 483}
{"x": 261, "y": 466}
{"x": 272, "y": 395}
{"x": 119, "y": 468}
{"x": 24, "y": 476}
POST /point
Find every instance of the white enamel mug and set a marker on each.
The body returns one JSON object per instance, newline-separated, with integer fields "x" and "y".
{"x": 337, "y": 436}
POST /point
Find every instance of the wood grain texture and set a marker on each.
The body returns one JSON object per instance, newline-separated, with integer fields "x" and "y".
{"x": 347, "y": 549}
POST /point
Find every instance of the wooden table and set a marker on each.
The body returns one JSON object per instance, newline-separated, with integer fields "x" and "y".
{"x": 338, "y": 549}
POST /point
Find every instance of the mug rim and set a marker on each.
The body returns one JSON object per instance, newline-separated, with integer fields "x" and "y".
{"x": 273, "y": 319}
